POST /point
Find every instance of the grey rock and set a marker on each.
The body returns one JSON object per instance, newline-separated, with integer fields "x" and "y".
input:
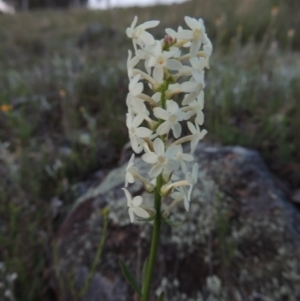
{"x": 240, "y": 240}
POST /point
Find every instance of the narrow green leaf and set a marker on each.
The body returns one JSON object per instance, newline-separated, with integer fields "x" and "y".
{"x": 161, "y": 297}
{"x": 144, "y": 273}
{"x": 130, "y": 278}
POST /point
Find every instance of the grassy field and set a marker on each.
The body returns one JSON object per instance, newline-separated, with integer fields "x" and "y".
{"x": 63, "y": 87}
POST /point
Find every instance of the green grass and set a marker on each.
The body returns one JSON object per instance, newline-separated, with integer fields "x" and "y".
{"x": 66, "y": 100}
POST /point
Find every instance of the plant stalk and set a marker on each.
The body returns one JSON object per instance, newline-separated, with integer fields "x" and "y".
{"x": 154, "y": 241}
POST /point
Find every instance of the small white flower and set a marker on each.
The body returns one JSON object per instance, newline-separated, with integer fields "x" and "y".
{"x": 145, "y": 54}
{"x": 197, "y": 135}
{"x": 162, "y": 59}
{"x": 130, "y": 169}
{"x": 172, "y": 33}
{"x": 134, "y": 206}
{"x": 135, "y": 97}
{"x": 179, "y": 195}
{"x": 135, "y": 88}
{"x": 172, "y": 116}
{"x": 192, "y": 179}
{"x": 136, "y": 132}
{"x": 139, "y": 35}
{"x": 160, "y": 159}
{"x": 131, "y": 63}
{"x": 196, "y": 35}
{"x": 195, "y": 108}
{"x": 181, "y": 157}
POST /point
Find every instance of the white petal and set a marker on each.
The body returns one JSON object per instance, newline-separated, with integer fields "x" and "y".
{"x": 137, "y": 201}
{"x": 128, "y": 196}
{"x": 131, "y": 215}
{"x": 173, "y": 64}
{"x": 143, "y": 132}
{"x": 141, "y": 212}
{"x": 136, "y": 145}
{"x": 159, "y": 147}
{"x": 138, "y": 88}
{"x": 191, "y": 22}
{"x": 171, "y": 32}
{"x": 199, "y": 77}
{"x": 172, "y": 164}
{"x": 161, "y": 113}
{"x": 189, "y": 178}
{"x": 131, "y": 159}
{"x": 195, "y": 46}
{"x": 177, "y": 195}
{"x": 135, "y": 19}
{"x": 155, "y": 171}
{"x": 187, "y": 157}
{"x": 164, "y": 128}
{"x": 189, "y": 98}
{"x": 150, "y": 24}
{"x": 172, "y": 151}
{"x": 176, "y": 130}
{"x": 193, "y": 145}
{"x": 129, "y": 32}
{"x": 191, "y": 127}
{"x": 134, "y": 81}
{"x": 150, "y": 158}
{"x": 152, "y": 61}
{"x": 188, "y": 87}
{"x": 129, "y": 179}
{"x": 185, "y": 35}
{"x": 137, "y": 120}
{"x": 147, "y": 38}
{"x": 158, "y": 73}
{"x": 202, "y": 134}
{"x": 186, "y": 204}
{"x": 195, "y": 171}
{"x": 172, "y": 106}
{"x": 156, "y": 97}
{"x": 157, "y": 49}
{"x": 190, "y": 192}
{"x": 200, "y": 118}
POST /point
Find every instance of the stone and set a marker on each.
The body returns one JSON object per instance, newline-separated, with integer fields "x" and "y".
{"x": 240, "y": 240}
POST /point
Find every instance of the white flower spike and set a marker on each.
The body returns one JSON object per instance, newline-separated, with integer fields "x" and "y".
{"x": 173, "y": 69}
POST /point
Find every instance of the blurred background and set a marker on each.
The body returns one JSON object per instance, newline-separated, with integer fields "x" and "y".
{"x": 63, "y": 85}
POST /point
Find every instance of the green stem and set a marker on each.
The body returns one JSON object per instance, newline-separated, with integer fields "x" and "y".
{"x": 155, "y": 239}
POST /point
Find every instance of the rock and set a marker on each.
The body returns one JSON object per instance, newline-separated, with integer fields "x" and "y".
{"x": 241, "y": 239}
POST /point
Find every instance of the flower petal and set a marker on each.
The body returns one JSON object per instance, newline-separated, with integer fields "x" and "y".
{"x": 172, "y": 164}
{"x": 172, "y": 151}
{"x": 185, "y": 35}
{"x": 141, "y": 212}
{"x": 176, "y": 128}
{"x": 137, "y": 201}
{"x": 131, "y": 215}
{"x": 128, "y": 196}
{"x": 155, "y": 171}
{"x": 164, "y": 128}
{"x": 147, "y": 38}
{"x": 158, "y": 73}
{"x": 150, "y": 158}
{"x": 161, "y": 113}
{"x": 143, "y": 132}
{"x": 173, "y": 64}
{"x": 159, "y": 147}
